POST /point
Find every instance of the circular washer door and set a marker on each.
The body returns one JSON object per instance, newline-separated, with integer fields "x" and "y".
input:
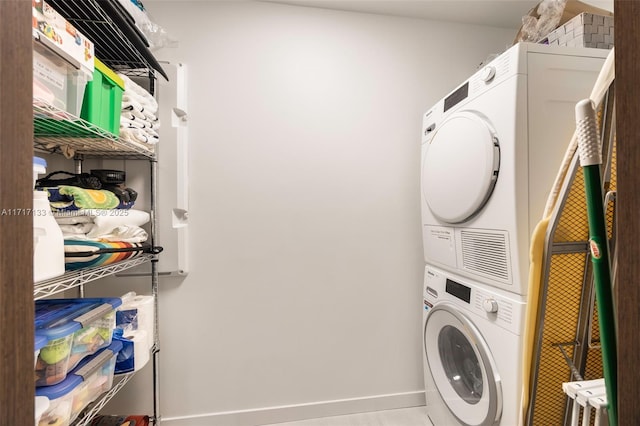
{"x": 462, "y": 367}
{"x": 460, "y": 167}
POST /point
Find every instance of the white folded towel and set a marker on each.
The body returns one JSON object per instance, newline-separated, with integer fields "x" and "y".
{"x": 149, "y": 116}
{"x": 137, "y": 135}
{"x": 133, "y": 88}
{"x": 128, "y": 234}
{"x": 133, "y": 114}
{"x": 133, "y": 124}
{"x": 133, "y": 105}
{"x": 151, "y": 133}
{"x": 78, "y": 228}
{"x": 76, "y": 216}
{"x": 72, "y": 220}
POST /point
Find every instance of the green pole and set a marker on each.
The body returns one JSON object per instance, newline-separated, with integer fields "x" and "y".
{"x": 590, "y": 159}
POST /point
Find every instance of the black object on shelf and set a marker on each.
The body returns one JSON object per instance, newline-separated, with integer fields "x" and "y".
{"x": 118, "y": 42}
{"x": 132, "y": 22}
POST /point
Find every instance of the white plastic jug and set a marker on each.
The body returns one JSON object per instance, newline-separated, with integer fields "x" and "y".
{"x": 48, "y": 243}
{"x": 39, "y": 168}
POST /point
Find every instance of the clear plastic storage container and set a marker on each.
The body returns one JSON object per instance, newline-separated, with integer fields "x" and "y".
{"x": 75, "y": 328}
{"x": 56, "y": 81}
{"x": 40, "y": 342}
{"x": 92, "y": 377}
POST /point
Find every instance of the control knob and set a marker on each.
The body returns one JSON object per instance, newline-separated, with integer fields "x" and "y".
{"x": 490, "y": 305}
{"x": 487, "y": 74}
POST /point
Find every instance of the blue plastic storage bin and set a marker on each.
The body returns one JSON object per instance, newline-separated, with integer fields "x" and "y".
{"x": 74, "y": 328}
{"x": 92, "y": 377}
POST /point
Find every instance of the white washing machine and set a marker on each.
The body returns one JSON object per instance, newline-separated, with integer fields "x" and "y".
{"x": 472, "y": 351}
{"x": 490, "y": 152}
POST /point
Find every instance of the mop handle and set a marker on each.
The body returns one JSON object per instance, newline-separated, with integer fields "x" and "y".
{"x": 590, "y": 159}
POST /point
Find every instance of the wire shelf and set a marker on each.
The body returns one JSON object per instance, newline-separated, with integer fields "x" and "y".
{"x": 58, "y": 132}
{"x": 93, "y": 409}
{"x": 72, "y": 279}
{"x": 124, "y": 49}
{"x": 112, "y": 46}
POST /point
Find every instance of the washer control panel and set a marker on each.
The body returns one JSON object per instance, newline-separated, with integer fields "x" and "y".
{"x": 493, "y": 304}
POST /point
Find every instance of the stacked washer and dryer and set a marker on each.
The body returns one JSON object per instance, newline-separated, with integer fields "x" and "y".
{"x": 491, "y": 150}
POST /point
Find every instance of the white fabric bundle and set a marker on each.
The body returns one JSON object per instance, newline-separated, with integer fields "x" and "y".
{"x": 134, "y": 90}
{"x": 139, "y": 121}
{"x": 93, "y": 224}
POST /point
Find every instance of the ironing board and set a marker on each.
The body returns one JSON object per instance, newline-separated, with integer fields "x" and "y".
{"x": 561, "y": 327}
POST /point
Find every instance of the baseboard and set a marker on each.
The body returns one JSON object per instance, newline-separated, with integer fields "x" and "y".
{"x": 288, "y": 413}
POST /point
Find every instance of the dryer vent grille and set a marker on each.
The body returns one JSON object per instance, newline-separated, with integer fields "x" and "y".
{"x": 486, "y": 253}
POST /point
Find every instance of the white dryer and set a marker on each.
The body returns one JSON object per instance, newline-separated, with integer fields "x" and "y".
{"x": 490, "y": 152}
{"x": 472, "y": 351}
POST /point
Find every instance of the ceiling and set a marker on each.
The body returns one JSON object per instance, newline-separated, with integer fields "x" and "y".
{"x": 496, "y": 13}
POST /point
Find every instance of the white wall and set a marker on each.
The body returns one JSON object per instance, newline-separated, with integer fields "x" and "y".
{"x": 602, "y": 4}
{"x": 306, "y": 268}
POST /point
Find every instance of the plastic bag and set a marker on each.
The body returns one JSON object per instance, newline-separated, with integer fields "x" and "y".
{"x": 156, "y": 36}
{"x": 536, "y": 28}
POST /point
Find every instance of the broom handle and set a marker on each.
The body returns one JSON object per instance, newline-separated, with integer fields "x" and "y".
{"x": 590, "y": 159}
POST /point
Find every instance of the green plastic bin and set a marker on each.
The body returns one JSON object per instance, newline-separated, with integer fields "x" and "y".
{"x": 102, "y": 102}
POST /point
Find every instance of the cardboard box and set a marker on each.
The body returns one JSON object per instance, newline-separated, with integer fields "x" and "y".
{"x": 585, "y": 30}
{"x": 55, "y": 32}
{"x": 571, "y": 9}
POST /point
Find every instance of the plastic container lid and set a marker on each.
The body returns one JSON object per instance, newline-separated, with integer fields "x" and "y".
{"x": 75, "y": 377}
{"x": 106, "y": 71}
{"x": 56, "y": 318}
{"x": 40, "y": 341}
{"x": 61, "y": 389}
{"x": 37, "y": 161}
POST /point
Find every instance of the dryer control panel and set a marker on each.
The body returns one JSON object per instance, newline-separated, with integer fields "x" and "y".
{"x": 491, "y": 74}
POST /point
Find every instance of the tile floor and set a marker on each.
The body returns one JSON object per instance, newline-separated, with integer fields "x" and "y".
{"x": 414, "y": 416}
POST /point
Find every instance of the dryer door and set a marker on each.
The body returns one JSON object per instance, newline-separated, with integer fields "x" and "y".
{"x": 460, "y": 167}
{"x": 462, "y": 367}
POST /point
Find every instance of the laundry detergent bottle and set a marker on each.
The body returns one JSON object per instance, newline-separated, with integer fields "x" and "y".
{"x": 48, "y": 243}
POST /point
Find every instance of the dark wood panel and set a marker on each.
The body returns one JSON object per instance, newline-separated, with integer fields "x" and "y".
{"x": 16, "y": 224}
{"x": 627, "y": 27}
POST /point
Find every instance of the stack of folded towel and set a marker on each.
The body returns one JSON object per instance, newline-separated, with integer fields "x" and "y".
{"x": 103, "y": 225}
{"x": 139, "y": 121}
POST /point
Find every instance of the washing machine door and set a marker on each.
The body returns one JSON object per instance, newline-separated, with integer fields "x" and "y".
{"x": 462, "y": 367}
{"x": 460, "y": 167}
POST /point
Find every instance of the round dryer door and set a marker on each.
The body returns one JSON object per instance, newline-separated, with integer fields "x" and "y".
{"x": 462, "y": 367}
{"x": 460, "y": 167}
